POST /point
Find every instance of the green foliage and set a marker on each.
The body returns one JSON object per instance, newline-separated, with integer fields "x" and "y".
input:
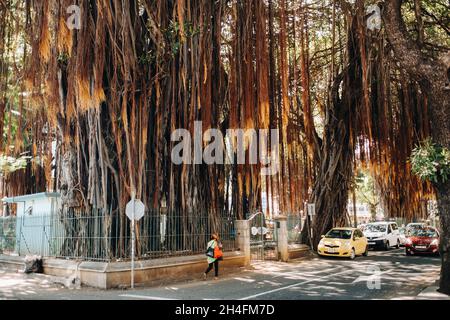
{"x": 173, "y": 35}
{"x": 431, "y": 162}
{"x": 435, "y": 18}
{"x": 147, "y": 58}
{"x": 10, "y": 164}
{"x": 63, "y": 58}
{"x": 365, "y": 188}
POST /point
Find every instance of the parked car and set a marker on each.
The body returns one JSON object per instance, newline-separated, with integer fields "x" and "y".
{"x": 382, "y": 235}
{"x": 343, "y": 242}
{"x": 415, "y": 225}
{"x": 422, "y": 241}
{"x": 403, "y": 236}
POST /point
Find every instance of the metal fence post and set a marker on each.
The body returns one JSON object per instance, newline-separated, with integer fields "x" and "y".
{"x": 19, "y": 238}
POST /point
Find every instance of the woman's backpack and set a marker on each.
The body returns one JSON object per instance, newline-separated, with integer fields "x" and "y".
{"x": 218, "y": 253}
{"x": 210, "y": 252}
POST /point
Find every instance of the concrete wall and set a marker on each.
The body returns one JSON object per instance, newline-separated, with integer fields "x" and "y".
{"x": 147, "y": 273}
{"x": 298, "y": 251}
{"x": 105, "y": 275}
{"x": 12, "y": 262}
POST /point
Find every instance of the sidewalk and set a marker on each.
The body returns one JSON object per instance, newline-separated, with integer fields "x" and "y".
{"x": 430, "y": 293}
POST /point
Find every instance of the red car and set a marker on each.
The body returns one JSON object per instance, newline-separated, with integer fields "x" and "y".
{"x": 422, "y": 240}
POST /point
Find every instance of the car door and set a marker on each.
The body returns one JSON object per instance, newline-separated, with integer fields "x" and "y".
{"x": 359, "y": 242}
{"x": 363, "y": 241}
{"x": 391, "y": 236}
{"x": 356, "y": 241}
{"x": 396, "y": 233}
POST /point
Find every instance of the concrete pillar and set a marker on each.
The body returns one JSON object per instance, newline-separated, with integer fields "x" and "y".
{"x": 282, "y": 238}
{"x": 243, "y": 238}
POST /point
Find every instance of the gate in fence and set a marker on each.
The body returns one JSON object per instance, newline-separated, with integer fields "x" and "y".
{"x": 263, "y": 242}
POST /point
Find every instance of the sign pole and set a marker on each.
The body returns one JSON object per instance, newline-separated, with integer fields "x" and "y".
{"x": 135, "y": 211}
{"x": 133, "y": 239}
{"x": 311, "y": 210}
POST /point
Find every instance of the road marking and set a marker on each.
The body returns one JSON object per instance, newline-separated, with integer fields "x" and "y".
{"x": 296, "y": 284}
{"x": 373, "y": 276}
{"x": 144, "y": 297}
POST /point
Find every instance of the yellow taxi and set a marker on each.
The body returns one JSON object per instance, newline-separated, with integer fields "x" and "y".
{"x": 343, "y": 242}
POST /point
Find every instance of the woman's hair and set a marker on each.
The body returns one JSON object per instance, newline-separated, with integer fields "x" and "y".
{"x": 215, "y": 236}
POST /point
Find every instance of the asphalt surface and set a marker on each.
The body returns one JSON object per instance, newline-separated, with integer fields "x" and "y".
{"x": 381, "y": 275}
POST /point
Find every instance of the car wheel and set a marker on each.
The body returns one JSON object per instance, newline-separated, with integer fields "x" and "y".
{"x": 387, "y": 246}
{"x": 353, "y": 255}
{"x": 366, "y": 253}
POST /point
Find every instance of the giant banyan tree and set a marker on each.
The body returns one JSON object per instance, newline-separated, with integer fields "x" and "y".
{"x": 100, "y": 86}
{"x": 114, "y": 91}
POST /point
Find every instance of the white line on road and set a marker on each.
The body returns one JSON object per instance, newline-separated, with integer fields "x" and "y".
{"x": 375, "y": 275}
{"x": 296, "y": 284}
{"x": 144, "y": 297}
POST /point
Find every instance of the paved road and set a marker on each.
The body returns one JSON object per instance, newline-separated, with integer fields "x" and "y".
{"x": 400, "y": 277}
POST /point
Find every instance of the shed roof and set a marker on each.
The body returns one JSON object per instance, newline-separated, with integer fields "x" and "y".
{"x": 31, "y": 197}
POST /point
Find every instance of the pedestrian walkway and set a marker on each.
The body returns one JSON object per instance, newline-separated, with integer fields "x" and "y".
{"x": 400, "y": 277}
{"x": 428, "y": 293}
{"x": 431, "y": 293}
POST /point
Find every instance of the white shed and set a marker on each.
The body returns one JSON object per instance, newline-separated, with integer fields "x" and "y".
{"x": 35, "y": 222}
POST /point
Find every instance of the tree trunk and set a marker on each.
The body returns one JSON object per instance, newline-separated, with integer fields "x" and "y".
{"x": 441, "y": 135}
{"x": 330, "y": 192}
{"x": 431, "y": 74}
{"x": 443, "y": 191}
{"x": 70, "y": 195}
{"x": 332, "y": 184}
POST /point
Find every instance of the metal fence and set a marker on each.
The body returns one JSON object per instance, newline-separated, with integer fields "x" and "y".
{"x": 263, "y": 237}
{"x": 7, "y": 235}
{"x": 104, "y": 237}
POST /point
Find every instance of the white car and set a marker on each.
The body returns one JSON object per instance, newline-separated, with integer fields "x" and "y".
{"x": 382, "y": 235}
{"x": 403, "y": 236}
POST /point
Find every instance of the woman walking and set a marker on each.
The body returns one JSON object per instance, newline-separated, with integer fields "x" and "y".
{"x": 214, "y": 254}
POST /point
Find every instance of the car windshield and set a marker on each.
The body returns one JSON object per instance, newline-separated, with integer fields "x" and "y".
{"x": 402, "y": 230}
{"x": 375, "y": 228}
{"x": 339, "y": 234}
{"x": 429, "y": 233}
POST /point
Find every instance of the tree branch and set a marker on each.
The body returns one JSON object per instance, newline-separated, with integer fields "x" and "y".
{"x": 418, "y": 66}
